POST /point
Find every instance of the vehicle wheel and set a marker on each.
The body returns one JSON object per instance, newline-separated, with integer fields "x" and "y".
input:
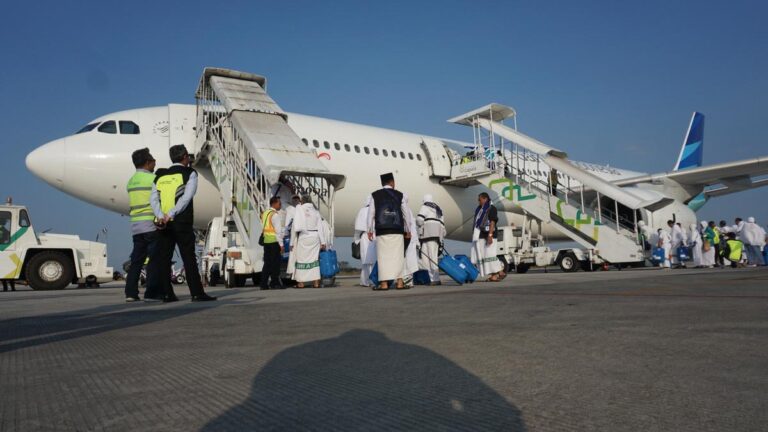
{"x": 50, "y": 271}
{"x": 180, "y": 280}
{"x": 568, "y": 262}
{"x": 522, "y": 268}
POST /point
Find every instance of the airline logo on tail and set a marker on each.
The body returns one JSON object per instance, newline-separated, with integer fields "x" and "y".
{"x": 692, "y": 152}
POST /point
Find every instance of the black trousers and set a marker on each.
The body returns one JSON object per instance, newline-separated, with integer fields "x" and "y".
{"x": 11, "y": 282}
{"x": 183, "y": 236}
{"x": 270, "y": 272}
{"x": 143, "y": 247}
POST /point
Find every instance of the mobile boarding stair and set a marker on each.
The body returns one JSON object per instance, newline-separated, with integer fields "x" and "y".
{"x": 591, "y": 211}
{"x": 245, "y": 138}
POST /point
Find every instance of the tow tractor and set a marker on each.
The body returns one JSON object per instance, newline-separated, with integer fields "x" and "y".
{"x": 47, "y": 261}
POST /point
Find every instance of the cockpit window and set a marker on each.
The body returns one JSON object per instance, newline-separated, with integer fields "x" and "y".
{"x": 128, "y": 128}
{"x": 108, "y": 127}
{"x": 87, "y": 128}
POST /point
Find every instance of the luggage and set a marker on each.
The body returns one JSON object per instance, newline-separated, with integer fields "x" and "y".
{"x": 765, "y": 255}
{"x": 684, "y": 253}
{"x": 658, "y": 255}
{"x": 374, "y": 276}
{"x": 466, "y": 264}
{"x": 421, "y": 277}
{"x": 329, "y": 265}
{"x": 452, "y": 268}
{"x": 356, "y": 250}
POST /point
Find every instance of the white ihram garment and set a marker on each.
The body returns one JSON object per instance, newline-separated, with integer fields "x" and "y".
{"x": 361, "y": 234}
{"x": 695, "y": 242}
{"x": 390, "y": 248}
{"x": 666, "y": 242}
{"x": 484, "y": 255}
{"x": 411, "y": 264}
{"x": 306, "y": 238}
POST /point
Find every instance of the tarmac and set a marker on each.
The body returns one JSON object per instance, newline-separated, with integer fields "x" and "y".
{"x": 650, "y": 350}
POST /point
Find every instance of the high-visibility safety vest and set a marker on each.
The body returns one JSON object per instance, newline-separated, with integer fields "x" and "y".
{"x": 270, "y": 236}
{"x": 139, "y": 190}
{"x": 171, "y": 183}
{"x": 716, "y": 239}
{"x": 735, "y": 248}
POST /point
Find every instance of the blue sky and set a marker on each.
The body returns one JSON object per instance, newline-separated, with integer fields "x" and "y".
{"x": 610, "y": 82}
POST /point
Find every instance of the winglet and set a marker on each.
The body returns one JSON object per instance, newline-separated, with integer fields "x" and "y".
{"x": 692, "y": 151}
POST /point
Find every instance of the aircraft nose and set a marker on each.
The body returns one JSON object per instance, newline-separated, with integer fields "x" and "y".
{"x": 47, "y": 162}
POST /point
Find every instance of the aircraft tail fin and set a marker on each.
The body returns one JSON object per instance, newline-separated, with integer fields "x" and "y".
{"x": 692, "y": 151}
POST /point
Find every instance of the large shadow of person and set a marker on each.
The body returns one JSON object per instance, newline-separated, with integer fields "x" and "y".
{"x": 363, "y": 380}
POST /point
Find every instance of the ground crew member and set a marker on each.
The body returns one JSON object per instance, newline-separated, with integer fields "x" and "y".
{"x": 717, "y": 239}
{"x": 733, "y": 250}
{"x": 143, "y": 229}
{"x": 273, "y": 245}
{"x": 172, "y": 203}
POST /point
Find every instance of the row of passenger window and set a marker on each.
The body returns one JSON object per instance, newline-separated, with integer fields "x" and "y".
{"x": 126, "y": 127}
{"x": 358, "y": 149}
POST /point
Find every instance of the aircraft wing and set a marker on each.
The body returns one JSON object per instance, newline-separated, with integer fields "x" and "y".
{"x": 727, "y": 177}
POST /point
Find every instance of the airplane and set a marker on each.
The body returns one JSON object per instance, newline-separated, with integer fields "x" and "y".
{"x": 93, "y": 165}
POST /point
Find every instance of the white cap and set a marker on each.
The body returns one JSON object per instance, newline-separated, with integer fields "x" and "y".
{"x": 751, "y": 219}
{"x": 428, "y": 198}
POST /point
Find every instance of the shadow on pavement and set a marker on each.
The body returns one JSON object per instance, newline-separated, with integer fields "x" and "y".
{"x": 363, "y": 380}
{"x": 18, "y": 333}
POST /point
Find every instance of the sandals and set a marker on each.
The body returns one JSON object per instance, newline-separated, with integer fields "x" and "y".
{"x": 378, "y": 288}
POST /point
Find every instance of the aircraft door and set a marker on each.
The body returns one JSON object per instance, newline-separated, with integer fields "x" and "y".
{"x": 437, "y": 156}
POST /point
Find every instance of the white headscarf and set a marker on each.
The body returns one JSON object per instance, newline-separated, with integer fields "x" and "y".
{"x": 751, "y": 219}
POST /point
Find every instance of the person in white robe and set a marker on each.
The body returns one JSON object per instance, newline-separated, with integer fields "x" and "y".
{"x": 484, "y": 254}
{"x": 307, "y": 239}
{"x": 361, "y": 238}
{"x": 665, "y": 242}
{"x": 431, "y": 231}
{"x": 676, "y": 235}
{"x": 696, "y": 244}
{"x": 753, "y": 236}
{"x": 411, "y": 264}
{"x": 387, "y": 223}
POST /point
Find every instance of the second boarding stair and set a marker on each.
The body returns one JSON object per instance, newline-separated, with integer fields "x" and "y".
{"x": 591, "y": 211}
{"x": 253, "y": 153}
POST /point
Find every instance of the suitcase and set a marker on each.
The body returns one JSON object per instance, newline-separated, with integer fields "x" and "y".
{"x": 765, "y": 255}
{"x": 684, "y": 253}
{"x": 374, "y": 276}
{"x": 466, "y": 264}
{"x": 452, "y": 268}
{"x": 329, "y": 265}
{"x": 421, "y": 277}
{"x": 658, "y": 255}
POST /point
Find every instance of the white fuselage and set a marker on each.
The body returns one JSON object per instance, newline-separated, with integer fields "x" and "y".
{"x": 95, "y": 166}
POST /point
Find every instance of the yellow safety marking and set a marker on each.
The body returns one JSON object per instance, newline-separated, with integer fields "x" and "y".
{"x": 15, "y": 273}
